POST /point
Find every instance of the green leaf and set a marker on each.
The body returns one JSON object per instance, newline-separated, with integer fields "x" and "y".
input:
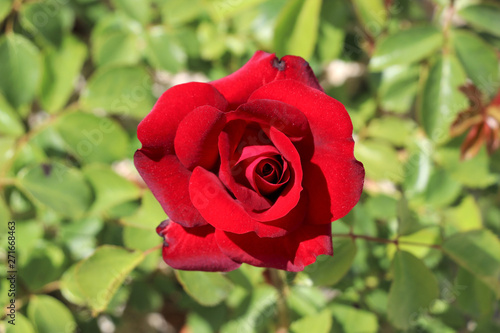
{"x": 222, "y": 10}
{"x": 426, "y": 236}
{"x": 392, "y": 129}
{"x": 206, "y": 288}
{"x": 478, "y": 58}
{"x": 70, "y": 288}
{"x": 122, "y": 90}
{"x": 406, "y": 46}
{"x": 92, "y": 138}
{"x": 413, "y": 289}
{"x": 327, "y": 271}
{"x": 354, "y": 320}
{"x": 372, "y": 14}
{"x": 5, "y": 8}
{"x": 42, "y": 20}
{"x": 145, "y": 298}
{"x": 318, "y": 323}
{"x": 473, "y": 173}
{"x": 109, "y": 188}
{"x": 20, "y": 70}
{"x": 418, "y": 167}
{"x": 442, "y": 190}
{"x": 485, "y": 17}
{"x": 96, "y": 279}
{"x": 330, "y": 42}
{"x": 140, "y": 238}
{"x": 407, "y": 219}
{"x": 381, "y": 207}
{"x": 380, "y": 160}
{"x": 138, "y": 10}
{"x": 59, "y": 187}
{"x": 258, "y": 310}
{"x": 305, "y": 300}
{"x": 80, "y": 236}
{"x": 478, "y": 251}
{"x": 10, "y": 124}
{"x": 49, "y": 315}
{"x": 116, "y": 41}
{"x": 47, "y": 260}
{"x": 464, "y": 217}
{"x": 22, "y": 324}
{"x": 61, "y": 71}
{"x": 472, "y": 295}
{"x": 149, "y": 216}
{"x": 441, "y": 100}
{"x": 297, "y": 27}
{"x": 398, "y": 88}
{"x": 178, "y": 12}
{"x": 164, "y": 51}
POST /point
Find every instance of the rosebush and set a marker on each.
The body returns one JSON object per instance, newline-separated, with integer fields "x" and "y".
{"x": 419, "y": 252}
{"x": 251, "y": 168}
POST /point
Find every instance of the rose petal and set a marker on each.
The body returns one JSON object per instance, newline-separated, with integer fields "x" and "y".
{"x": 168, "y": 179}
{"x": 193, "y": 249}
{"x": 261, "y": 69}
{"x": 157, "y": 131}
{"x": 255, "y": 204}
{"x": 334, "y": 184}
{"x": 197, "y": 137}
{"x": 328, "y": 119}
{"x": 333, "y": 177}
{"x": 284, "y": 117}
{"x": 207, "y": 192}
{"x": 250, "y": 199}
{"x": 291, "y": 252}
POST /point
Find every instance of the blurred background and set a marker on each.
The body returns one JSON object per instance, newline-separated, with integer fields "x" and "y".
{"x": 419, "y": 253}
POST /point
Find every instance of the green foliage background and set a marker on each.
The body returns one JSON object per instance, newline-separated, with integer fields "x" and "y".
{"x": 419, "y": 253}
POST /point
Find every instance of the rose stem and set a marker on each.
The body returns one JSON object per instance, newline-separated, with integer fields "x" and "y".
{"x": 278, "y": 279}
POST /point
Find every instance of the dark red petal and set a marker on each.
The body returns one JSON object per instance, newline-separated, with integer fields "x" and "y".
{"x": 197, "y": 137}
{"x": 193, "y": 249}
{"x": 286, "y": 118}
{"x": 333, "y": 177}
{"x": 168, "y": 179}
{"x": 291, "y": 252}
{"x": 261, "y": 69}
{"x": 334, "y": 184}
{"x": 223, "y": 212}
{"x": 157, "y": 130}
{"x": 228, "y": 141}
{"x": 328, "y": 119}
{"x": 292, "y": 192}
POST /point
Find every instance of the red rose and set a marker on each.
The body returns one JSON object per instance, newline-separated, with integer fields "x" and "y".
{"x": 251, "y": 168}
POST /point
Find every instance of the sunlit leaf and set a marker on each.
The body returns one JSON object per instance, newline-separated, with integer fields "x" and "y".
{"x": 59, "y": 187}
{"x": 478, "y": 251}
{"x": 61, "y": 72}
{"x": 484, "y": 16}
{"x": 413, "y": 289}
{"x": 21, "y": 69}
{"x": 123, "y": 90}
{"x": 406, "y": 46}
{"x": 50, "y": 315}
{"x": 206, "y": 288}
{"x": 96, "y": 279}
{"x": 327, "y": 271}
{"x": 441, "y": 100}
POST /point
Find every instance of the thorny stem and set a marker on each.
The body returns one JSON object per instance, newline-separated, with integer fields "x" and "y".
{"x": 387, "y": 241}
{"x": 278, "y": 279}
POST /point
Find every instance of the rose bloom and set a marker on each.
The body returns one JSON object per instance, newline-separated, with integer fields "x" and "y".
{"x": 251, "y": 168}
